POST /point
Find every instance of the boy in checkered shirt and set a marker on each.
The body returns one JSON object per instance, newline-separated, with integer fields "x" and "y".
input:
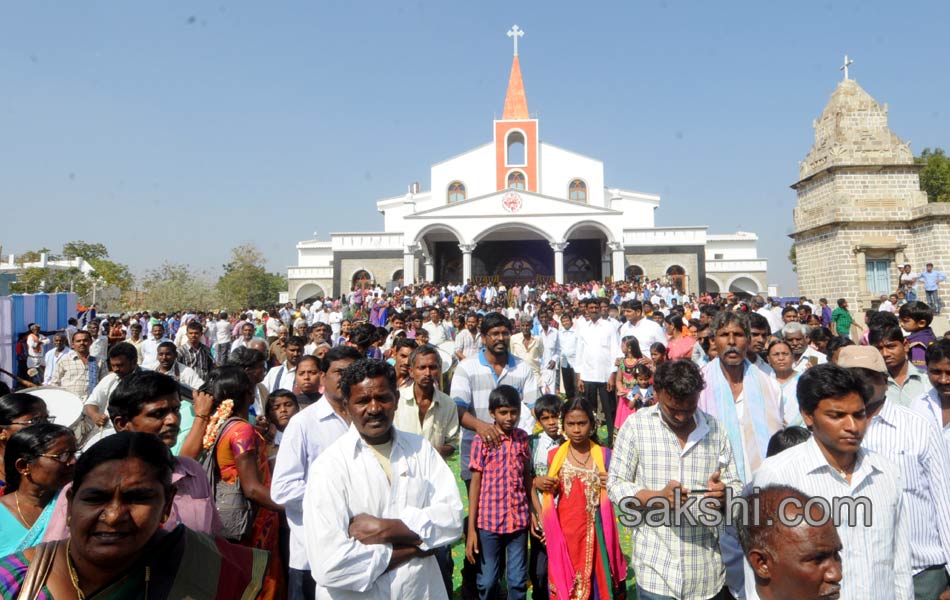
{"x": 498, "y": 506}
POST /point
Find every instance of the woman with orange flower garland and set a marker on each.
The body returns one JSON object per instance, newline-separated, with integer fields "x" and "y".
{"x": 236, "y": 456}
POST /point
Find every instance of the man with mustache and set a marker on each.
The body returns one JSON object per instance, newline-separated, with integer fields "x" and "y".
{"x": 874, "y": 524}
{"x": 149, "y": 402}
{"x": 748, "y": 403}
{"x": 426, "y": 410}
{"x": 791, "y": 562}
{"x": 379, "y": 501}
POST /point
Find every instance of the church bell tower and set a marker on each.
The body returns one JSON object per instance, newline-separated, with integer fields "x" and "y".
{"x": 516, "y": 134}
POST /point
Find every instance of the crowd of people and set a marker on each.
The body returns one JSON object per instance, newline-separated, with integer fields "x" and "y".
{"x": 605, "y": 436}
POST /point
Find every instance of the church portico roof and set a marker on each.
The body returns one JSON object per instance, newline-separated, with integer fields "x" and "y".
{"x": 512, "y": 202}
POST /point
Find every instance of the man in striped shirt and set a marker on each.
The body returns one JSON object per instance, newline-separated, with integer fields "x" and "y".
{"x": 874, "y": 522}
{"x": 914, "y": 445}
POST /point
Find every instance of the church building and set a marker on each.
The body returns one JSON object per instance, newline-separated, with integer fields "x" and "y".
{"x": 518, "y": 209}
{"x": 861, "y": 214}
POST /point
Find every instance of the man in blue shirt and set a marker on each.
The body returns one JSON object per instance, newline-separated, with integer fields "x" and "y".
{"x": 931, "y": 279}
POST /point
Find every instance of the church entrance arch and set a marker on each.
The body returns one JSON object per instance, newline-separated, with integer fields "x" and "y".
{"x": 587, "y": 257}
{"x": 744, "y": 286}
{"x": 362, "y": 279}
{"x": 677, "y": 276}
{"x": 309, "y": 292}
{"x": 512, "y": 253}
{"x": 633, "y": 273}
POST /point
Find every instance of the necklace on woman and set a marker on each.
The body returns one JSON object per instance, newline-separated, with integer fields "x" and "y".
{"x": 74, "y": 576}
{"x": 20, "y": 512}
{"x": 582, "y": 463}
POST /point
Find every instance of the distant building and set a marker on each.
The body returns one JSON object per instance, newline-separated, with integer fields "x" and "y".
{"x": 861, "y": 213}
{"x": 518, "y": 209}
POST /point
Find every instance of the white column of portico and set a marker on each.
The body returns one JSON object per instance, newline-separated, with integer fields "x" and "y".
{"x": 467, "y": 250}
{"x": 430, "y": 268}
{"x": 409, "y": 263}
{"x": 616, "y": 249}
{"x": 559, "y": 248}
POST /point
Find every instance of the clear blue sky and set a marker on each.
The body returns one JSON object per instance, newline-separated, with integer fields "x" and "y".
{"x": 176, "y": 130}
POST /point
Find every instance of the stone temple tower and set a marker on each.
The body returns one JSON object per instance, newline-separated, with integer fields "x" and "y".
{"x": 861, "y": 213}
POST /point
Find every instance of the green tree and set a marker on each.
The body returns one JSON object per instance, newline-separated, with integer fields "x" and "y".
{"x": 176, "y": 287}
{"x": 33, "y": 256}
{"x": 85, "y": 250}
{"x": 246, "y": 282}
{"x": 112, "y": 273}
{"x": 935, "y": 176}
{"x": 793, "y": 258}
{"x": 35, "y": 280}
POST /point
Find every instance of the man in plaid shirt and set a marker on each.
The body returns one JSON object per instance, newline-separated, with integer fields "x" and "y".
{"x": 661, "y": 453}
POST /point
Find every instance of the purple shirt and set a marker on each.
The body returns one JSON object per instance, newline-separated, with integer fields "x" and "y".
{"x": 193, "y": 505}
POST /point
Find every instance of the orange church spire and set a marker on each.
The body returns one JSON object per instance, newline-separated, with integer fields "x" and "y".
{"x": 516, "y": 103}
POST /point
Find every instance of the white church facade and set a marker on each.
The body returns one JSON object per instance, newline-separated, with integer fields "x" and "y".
{"x": 519, "y": 209}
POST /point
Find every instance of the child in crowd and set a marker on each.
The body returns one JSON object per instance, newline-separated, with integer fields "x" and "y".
{"x": 915, "y": 318}
{"x": 498, "y": 507}
{"x": 547, "y": 411}
{"x": 580, "y": 527}
{"x": 786, "y": 438}
{"x": 626, "y": 377}
{"x": 281, "y": 406}
{"x": 639, "y": 395}
{"x": 628, "y": 381}
{"x": 658, "y": 354}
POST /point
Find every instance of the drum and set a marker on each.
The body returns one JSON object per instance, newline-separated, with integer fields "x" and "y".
{"x": 62, "y": 405}
{"x": 447, "y": 354}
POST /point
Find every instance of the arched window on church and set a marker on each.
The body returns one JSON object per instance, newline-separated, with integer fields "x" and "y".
{"x": 577, "y": 191}
{"x": 456, "y": 191}
{"x": 516, "y": 180}
{"x": 515, "y": 149}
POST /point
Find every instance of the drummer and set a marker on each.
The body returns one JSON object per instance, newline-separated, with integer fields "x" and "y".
{"x": 427, "y": 411}
{"x": 123, "y": 361}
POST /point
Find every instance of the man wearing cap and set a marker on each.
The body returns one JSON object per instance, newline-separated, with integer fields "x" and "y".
{"x": 915, "y": 446}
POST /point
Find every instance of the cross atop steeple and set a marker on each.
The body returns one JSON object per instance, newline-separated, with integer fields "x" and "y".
{"x": 847, "y": 63}
{"x": 515, "y": 33}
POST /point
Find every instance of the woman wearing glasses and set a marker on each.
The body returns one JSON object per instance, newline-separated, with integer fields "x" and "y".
{"x": 16, "y": 412}
{"x": 39, "y": 461}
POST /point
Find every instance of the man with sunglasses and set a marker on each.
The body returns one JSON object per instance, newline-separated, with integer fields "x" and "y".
{"x": 149, "y": 402}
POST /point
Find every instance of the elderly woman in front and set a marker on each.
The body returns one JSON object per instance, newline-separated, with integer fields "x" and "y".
{"x": 121, "y": 494}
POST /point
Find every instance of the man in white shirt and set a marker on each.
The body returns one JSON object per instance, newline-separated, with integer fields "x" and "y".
{"x": 222, "y": 339}
{"x": 646, "y": 331}
{"x": 426, "y": 410}
{"x": 435, "y": 327}
{"x": 283, "y": 377}
{"x": 166, "y": 363}
{"x": 35, "y": 342}
{"x": 99, "y": 348}
{"x": 469, "y": 340}
{"x": 833, "y": 465}
{"x": 567, "y": 339}
{"x": 935, "y": 404}
{"x": 58, "y": 350}
{"x": 378, "y": 501}
{"x": 308, "y": 434}
{"x": 598, "y": 346}
{"x": 247, "y": 334}
{"x": 911, "y": 442}
{"x": 550, "y": 354}
{"x": 803, "y": 355}
{"x": 150, "y": 346}
{"x": 123, "y": 361}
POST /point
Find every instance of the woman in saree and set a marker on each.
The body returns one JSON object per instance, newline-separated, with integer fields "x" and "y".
{"x": 680, "y": 344}
{"x": 580, "y": 529}
{"x": 39, "y": 461}
{"x": 238, "y": 453}
{"x": 17, "y": 410}
{"x": 121, "y": 494}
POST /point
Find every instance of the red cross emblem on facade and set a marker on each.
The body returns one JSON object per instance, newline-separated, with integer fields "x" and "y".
{"x": 512, "y": 202}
